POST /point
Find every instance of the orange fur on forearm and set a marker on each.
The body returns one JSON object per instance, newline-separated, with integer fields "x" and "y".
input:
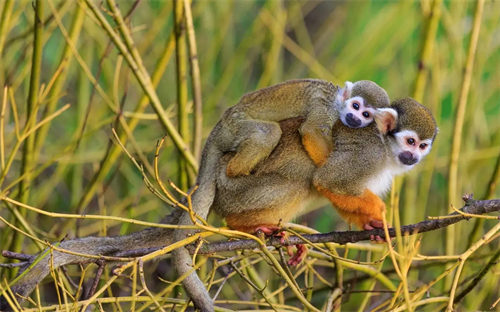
{"x": 359, "y": 210}
{"x": 317, "y": 148}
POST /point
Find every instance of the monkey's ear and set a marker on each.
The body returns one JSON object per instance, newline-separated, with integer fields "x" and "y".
{"x": 386, "y": 119}
{"x": 345, "y": 93}
{"x": 347, "y": 90}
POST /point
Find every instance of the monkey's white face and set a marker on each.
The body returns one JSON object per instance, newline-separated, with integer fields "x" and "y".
{"x": 356, "y": 113}
{"x": 409, "y": 149}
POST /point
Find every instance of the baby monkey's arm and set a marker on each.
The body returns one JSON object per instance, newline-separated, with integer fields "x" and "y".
{"x": 252, "y": 125}
{"x": 355, "y": 105}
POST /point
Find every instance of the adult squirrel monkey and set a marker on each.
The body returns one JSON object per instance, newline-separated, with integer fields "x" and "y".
{"x": 356, "y": 173}
{"x": 251, "y": 127}
{"x": 360, "y": 168}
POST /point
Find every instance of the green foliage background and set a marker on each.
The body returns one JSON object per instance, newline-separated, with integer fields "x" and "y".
{"x": 243, "y": 46}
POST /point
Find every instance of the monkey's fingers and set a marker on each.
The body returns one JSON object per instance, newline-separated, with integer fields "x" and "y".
{"x": 299, "y": 255}
{"x": 372, "y": 225}
{"x": 377, "y": 239}
{"x": 284, "y": 236}
{"x": 377, "y": 224}
{"x": 269, "y": 230}
{"x": 273, "y": 230}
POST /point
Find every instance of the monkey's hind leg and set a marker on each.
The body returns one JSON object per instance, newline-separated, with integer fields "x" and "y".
{"x": 261, "y": 138}
{"x": 275, "y": 230}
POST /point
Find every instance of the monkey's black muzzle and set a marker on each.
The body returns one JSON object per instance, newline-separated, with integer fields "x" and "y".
{"x": 352, "y": 121}
{"x": 407, "y": 158}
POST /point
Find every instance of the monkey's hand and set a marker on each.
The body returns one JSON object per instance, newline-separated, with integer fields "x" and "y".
{"x": 317, "y": 147}
{"x": 278, "y": 231}
{"x": 364, "y": 210}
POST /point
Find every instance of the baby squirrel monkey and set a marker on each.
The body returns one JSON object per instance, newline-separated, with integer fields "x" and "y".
{"x": 251, "y": 127}
{"x": 277, "y": 190}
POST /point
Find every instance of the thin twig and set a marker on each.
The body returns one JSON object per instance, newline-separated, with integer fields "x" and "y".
{"x": 145, "y": 287}
{"x": 142, "y": 76}
{"x": 101, "y": 264}
{"x": 490, "y": 191}
{"x": 249, "y": 282}
{"x": 31, "y": 109}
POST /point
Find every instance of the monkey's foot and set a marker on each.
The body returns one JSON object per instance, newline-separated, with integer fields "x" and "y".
{"x": 278, "y": 231}
{"x": 372, "y": 225}
{"x": 299, "y": 255}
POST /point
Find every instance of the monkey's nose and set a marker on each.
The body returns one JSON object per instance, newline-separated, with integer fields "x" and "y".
{"x": 352, "y": 121}
{"x": 407, "y": 158}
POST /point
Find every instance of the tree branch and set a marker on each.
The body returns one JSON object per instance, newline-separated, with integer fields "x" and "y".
{"x": 473, "y": 207}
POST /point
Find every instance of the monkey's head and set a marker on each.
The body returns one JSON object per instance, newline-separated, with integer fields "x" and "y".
{"x": 415, "y": 131}
{"x": 358, "y": 102}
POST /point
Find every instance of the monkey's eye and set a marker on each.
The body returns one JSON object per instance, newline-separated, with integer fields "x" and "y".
{"x": 366, "y": 114}
{"x": 355, "y": 105}
{"x": 423, "y": 146}
{"x": 411, "y": 141}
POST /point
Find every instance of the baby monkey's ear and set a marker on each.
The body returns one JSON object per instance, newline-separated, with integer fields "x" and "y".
{"x": 345, "y": 93}
{"x": 386, "y": 119}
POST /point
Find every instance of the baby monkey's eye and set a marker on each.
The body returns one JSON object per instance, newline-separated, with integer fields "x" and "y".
{"x": 411, "y": 141}
{"x": 366, "y": 114}
{"x": 423, "y": 146}
{"x": 355, "y": 105}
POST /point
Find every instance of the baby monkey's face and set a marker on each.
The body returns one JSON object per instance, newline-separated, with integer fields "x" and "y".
{"x": 357, "y": 113}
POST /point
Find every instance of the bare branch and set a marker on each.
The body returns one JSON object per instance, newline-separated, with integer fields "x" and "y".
{"x": 472, "y": 207}
{"x": 341, "y": 237}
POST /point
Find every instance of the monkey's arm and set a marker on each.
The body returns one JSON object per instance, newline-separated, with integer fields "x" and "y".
{"x": 316, "y": 131}
{"x": 255, "y": 119}
{"x": 364, "y": 210}
{"x": 344, "y": 181}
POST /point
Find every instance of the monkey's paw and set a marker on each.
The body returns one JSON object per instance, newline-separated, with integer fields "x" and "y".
{"x": 278, "y": 231}
{"x": 372, "y": 225}
{"x": 298, "y": 256}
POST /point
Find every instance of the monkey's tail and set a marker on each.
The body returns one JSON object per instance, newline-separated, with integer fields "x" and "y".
{"x": 98, "y": 246}
{"x": 202, "y": 200}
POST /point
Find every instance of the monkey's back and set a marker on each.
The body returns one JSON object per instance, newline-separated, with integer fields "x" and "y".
{"x": 275, "y": 190}
{"x": 288, "y": 99}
